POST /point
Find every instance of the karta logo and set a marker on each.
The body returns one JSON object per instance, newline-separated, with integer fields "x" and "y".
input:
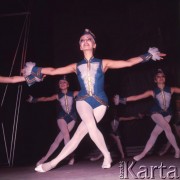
{"x": 130, "y": 170}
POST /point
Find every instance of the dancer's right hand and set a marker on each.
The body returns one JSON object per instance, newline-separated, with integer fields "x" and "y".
{"x": 31, "y": 99}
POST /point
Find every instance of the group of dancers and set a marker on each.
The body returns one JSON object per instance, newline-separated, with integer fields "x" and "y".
{"x": 92, "y": 102}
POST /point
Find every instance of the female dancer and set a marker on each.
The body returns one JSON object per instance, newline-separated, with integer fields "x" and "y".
{"x": 66, "y": 117}
{"x": 160, "y": 112}
{"x": 91, "y": 101}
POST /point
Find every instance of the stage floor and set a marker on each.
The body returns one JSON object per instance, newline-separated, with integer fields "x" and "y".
{"x": 151, "y": 167}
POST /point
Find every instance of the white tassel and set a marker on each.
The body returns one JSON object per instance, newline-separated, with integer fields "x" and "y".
{"x": 155, "y": 53}
{"x": 28, "y": 68}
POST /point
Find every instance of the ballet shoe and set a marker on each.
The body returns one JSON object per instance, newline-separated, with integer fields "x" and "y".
{"x": 41, "y": 161}
{"x": 107, "y": 163}
{"x": 39, "y": 169}
{"x": 123, "y": 156}
{"x": 96, "y": 158}
{"x": 44, "y": 167}
{"x": 177, "y": 155}
{"x": 137, "y": 158}
{"x": 162, "y": 153}
{"x": 71, "y": 162}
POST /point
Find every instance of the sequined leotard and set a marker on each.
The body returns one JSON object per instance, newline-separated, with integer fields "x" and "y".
{"x": 91, "y": 79}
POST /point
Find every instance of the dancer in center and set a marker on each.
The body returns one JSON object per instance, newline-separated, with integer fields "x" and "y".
{"x": 91, "y": 102}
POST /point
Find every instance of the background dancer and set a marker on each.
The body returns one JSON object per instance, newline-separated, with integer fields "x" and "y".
{"x": 66, "y": 116}
{"x": 160, "y": 113}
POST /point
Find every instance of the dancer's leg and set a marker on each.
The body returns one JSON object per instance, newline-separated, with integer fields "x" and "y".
{"x": 70, "y": 146}
{"x": 119, "y": 144}
{"x": 177, "y": 128}
{"x": 96, "y": 134}
{"x": 164, "y": 124}
{"x": 153, "y": 137}
{"x": 165, "y": 150}
{"x": 65, "y": 129}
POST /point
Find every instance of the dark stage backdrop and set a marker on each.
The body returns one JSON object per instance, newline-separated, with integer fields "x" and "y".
{"x": 124, "y": 29}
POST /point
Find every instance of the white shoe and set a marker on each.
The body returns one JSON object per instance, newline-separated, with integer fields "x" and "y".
{"x": 39, "y": 168}
{"x": 71, "y": 162}
{"x": 138, "y": 157}
{"x": 162, "y": 153}
{"x": 96, "y": 158}
{"x": 107, "y": 163}
{"x": 41, "y": 161}
{"x": 177, "y": 155}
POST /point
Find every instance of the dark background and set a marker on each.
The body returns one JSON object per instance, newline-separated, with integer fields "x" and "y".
{"x": 124, "y": 29}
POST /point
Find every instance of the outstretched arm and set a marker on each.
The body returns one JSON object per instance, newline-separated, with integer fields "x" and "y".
{"x": 175, "y": 90}
{"x": 13, "y": 79}
{"x": 59, "y": 71}
{"x": 129, "y": 118}
{"x": 31, "y": 99}
{"x": 112, "y": 64}
{"x": 153, "y": 53}
{"x": 34, "y": 74}
{"x": 123, "y": 100}
{"x": 140, "y": 96}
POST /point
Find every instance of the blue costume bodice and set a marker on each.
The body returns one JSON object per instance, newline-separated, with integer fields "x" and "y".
{"x": 67, "y": 109}
{"x": 162, "y": 101}
{"x": 91, "y": 80}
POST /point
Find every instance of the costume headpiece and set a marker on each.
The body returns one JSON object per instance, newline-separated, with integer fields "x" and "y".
{"x": 64, "y": 77}
{"x": 160, "y": 71}
{"x": 87, "y": 31}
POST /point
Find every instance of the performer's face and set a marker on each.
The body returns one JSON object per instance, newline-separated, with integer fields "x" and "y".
{"x": 63, "y": 84}
{"x": 160, "y": 78}
{"x": 87, "y": 42}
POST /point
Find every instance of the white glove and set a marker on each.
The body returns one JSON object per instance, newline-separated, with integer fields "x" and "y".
{"x": 28, "y": 68}
{"x": 155, "y": 53}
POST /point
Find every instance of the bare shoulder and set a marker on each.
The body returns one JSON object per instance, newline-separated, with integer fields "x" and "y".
{"x": 175, "y": 90}
{"x": 106, "y": 63}
{"x": 75, "y": 93}
{"x": 148, "y": 93}
{"x": 71, "y": 67}
{"x": 151, "y": 92}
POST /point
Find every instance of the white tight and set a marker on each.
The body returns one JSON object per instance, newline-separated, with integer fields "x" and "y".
{"x": 162, "y": 124}
{"x": 89, "y": 118}
{"x": 65, "y": 129}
